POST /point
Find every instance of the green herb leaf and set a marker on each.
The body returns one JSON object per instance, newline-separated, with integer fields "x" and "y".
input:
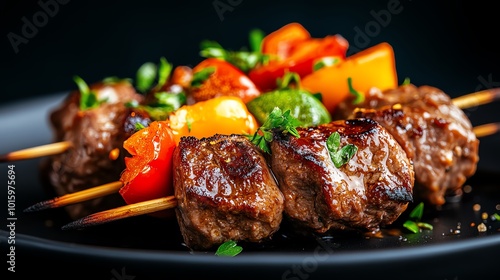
{"x": 244, "y": 60}
{"x": 417, "y": 212}
{"x": 339, "y": 156}
{"x": 132, "y": 104}
{"x": 413, "y": 223}
{"x": 255, "y": 38}
{"x": 406, "y": 81}
{"x": 145, "y": 76}
{"x": 173, "y": 101}
{"x": 228, "y": 249}
{"x": 425, "y": 226}
{"x": 496, "y": 216}
{"x": 318, "y": 96}
{"x": 325, "y": 61}
{"x": 359, "y": 97}
{"x": 200, "y": 76}
{"x": 277, "y": 120}
{"x": 287, "y": 79}
{"x": 164, "y": 70}
{"x": 88, "y": 98}
{"x": 115, "y": 80}
{"x": 189, "y": 123}
{"x": 164, "y": 104}
{"x": 412, "y": 226}
{"x": 139, "y": 126}
{"x": 212, "y": 49}
{"x": 82, "y": 85}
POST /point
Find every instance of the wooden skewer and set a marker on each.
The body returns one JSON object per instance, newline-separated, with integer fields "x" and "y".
{"x": 38, "y": 151}
{"x": 130, "y": 210}
{"x": 77, "y": 197}
{"x": 486, "y": 129}
{"x": 155, "y": 205}
{"x": 477, "y": 98}
{"x": 463, "y": 102}
{"x": 109, "y": 188}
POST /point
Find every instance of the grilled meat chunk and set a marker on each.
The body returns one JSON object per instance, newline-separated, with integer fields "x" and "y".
{"x": 436, "y": 135}
{"x": 370, "y": 191}
{"x": 94, "y": 133}
{"x": 225, "y": 191}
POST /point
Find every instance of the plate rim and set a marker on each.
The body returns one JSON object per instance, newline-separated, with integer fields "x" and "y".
{"x": 269, "y": 259}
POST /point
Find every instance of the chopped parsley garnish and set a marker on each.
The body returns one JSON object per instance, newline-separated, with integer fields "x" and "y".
{"x": 189, "y": 123}
{"x": 139, "y": 126}
{"x": 145, "y": 76}
{"x": 200, "y": 76}
{"x": 496, "y": 216}
{"x": 325, "y": 61}
{"x": 255, "y": 38}
{"x": 339, "y": 156}
{"x": 164, "y": 104}
{"x": 228, "y": 249}
{"x": 115, "y": 80}
{"x": 288, "y": 79}
{"x": 406, "y": 81}
{"x": 149, "y": 73}
{"x": 414, "y": 223}
{"x": 359, "y": 97}
{"x": 88, "y": 98}
{"x": 244, "y": 60}
{"x": 276, "y": 120}
{"x": 164, "y": 71}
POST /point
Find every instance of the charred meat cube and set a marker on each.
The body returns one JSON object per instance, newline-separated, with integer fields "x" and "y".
{"x": 436, "y": 135}
{"x": 225, "y": 191}
{"x": 94, "y": 134}
{"x": 370, "y": 191}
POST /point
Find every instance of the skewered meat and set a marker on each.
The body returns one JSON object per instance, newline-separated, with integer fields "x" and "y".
{"x": 94, "y": 133}
{"x": 436, "y": 135}
{"x": 371, "y": 190}
{"x": 225, "y": 191}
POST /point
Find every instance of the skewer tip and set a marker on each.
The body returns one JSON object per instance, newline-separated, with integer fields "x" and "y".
{"x": 35, "y": 152}
{"x": 77, "y": 197}
{"x": 130, "y": 210}
{"x": 486, "y": 129}
{"x": 40, "y": 206}
{"x": 76, "y": 225}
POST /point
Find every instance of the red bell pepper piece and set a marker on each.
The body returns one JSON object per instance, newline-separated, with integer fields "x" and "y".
{"x": 220, "y": 78}
{"x": 296, "y": 52}
{"x": 148, "y": 173}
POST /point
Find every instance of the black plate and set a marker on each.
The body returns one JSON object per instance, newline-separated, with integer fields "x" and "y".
{"x": 146, "y": 247}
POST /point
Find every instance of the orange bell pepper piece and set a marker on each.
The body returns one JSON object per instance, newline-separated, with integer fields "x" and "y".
{"x": 291, "y": 49}
{"x": 225, "y": 80}
{"x": 372, "y": 67}
{"x": 280, "y": 42}
{"x": 223, "y": 115}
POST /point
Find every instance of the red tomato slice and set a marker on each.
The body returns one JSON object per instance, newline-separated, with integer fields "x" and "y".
{"x": 226, "y": 80}
{"x": 148, "y": 173}
{"x": 280, "y": 42}
{"x": 296, "y": 53}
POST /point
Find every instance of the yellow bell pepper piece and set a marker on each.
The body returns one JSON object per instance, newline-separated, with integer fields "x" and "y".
{"x": 223, "y": 115}
{"x": 372, "y": 67}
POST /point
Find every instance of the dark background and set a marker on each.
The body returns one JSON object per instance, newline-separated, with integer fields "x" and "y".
{"x": 449, "y": 45}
